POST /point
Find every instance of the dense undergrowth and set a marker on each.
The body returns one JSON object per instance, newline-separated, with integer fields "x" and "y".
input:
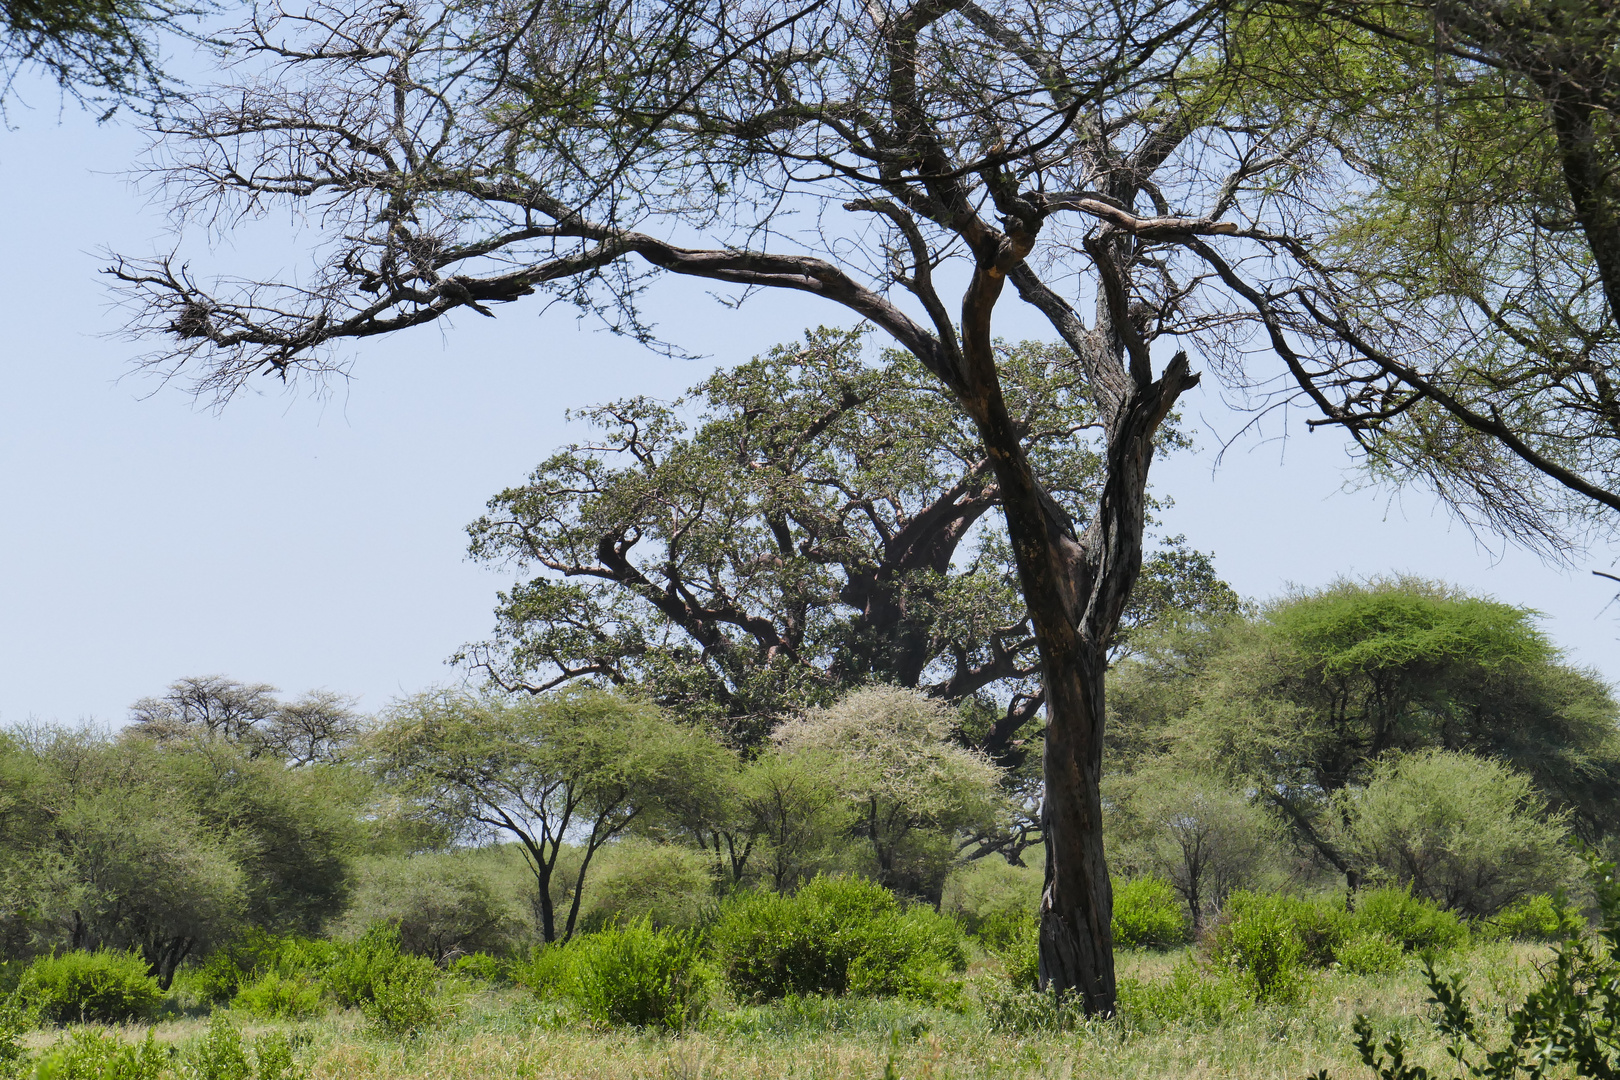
{"x": 839, "y": 979}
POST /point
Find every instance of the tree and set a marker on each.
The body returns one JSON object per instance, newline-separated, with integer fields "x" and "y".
{"x": 1304, "y": 699}
{"x": 889, "y": 752}
{"x": 1086, "y": 153}
{"x": 578, "y": 766}
{"x": 1466, "y": 833}
{"x": 170, "y": 848}
{"x": 802, "y": 539}
{"x": 1194, "y": 830}
{"x": 317, "y": 727}
{"x": 1455, "y": 311}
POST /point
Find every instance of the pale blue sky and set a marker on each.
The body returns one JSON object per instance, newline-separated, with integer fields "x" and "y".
{"x": 316, "y": 541}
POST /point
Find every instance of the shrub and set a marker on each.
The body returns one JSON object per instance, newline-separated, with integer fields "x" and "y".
{"x": 88, "y": 1054}
{"x": 228, "y": 970}
{"x": 992, "y": 899}
{"x": 443, "y": 905}
{"x": 834, "y": 936}
{"x": 546, "y": 970}
{"x": 103, "y": 986}
{"x": 1570, "y": 1018}
{"x": 405, "y": 997}
{"x": 399, "y": 994}
{"x": 639, "y": 976}
{"x": 1260, "y": 942}
{"x": 1468, "y": 834}
{"x": 1536, "y": 918}
{"x": 1147, "y": 914}
{"x": 280, "y": 997}
{"x": 1020, "y": 956}
{"x": 665, "y": 884}
{"x": 1369, "y": 953}
{"x": 15, "y": 1019}
{"x": 483, "y": 967}
{"x": 1412, "y": 922}
{"x": 221, "y": 1055}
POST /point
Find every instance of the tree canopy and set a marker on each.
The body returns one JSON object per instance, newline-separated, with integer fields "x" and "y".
{"x": 827, "y": 521}
{"x": 1304, "y": 700}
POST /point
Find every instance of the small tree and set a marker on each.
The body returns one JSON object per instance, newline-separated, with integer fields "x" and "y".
{"x": 1195, "y": 831}
{"x": 889, "y": 752}
{"x": 1469, "y": 834}
{"x": 544, "y": 770}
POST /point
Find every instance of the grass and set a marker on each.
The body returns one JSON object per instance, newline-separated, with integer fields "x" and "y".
{"x": 501, "y": 1034}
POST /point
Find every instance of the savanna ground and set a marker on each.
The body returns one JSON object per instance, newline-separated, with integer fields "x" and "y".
{"x": 1163, "y": 1031}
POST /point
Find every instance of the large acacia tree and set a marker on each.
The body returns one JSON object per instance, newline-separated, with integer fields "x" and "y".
{"x": 881, "y": 156}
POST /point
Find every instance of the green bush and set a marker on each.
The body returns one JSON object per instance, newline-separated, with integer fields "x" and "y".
{"x": 1536, "y": 918}
{"x": 1020, "y": 955}
{"x": 639, "y": 976}
{"x": 88, "y": 1054}
{"x": 1369, "y": 952}
{"x": 280, "y": 997}
{"x": 992, "y": 899}
{"x": 545, "y": 971}
{"x": 15, "y": 1020}
{"x": 399, "y": 993}
{"x": 835, "y": 936}
{"x": 406, "y": 998}
{"x": 221, "y": 1055}
{"x": 1147, "y": 914}
{"x": 1260, "y": 942}
{"x": 1565, "y": 1025}
{"x": 228, "y": 970}
{"x": 103, "y": 986}
{"x": 666, "y": 884}
{"x": 483, "y": 967}
{"x": 1414, "y": 923}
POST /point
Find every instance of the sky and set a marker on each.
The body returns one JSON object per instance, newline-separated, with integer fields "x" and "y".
{"x": 313, "y": 537}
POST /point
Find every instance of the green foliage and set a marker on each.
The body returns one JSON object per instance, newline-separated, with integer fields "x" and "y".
{"x": 1260, "y": 943}
{"x": 1468, "y": 834}
{"x": 1566, "y": 1025}
{"x": 405, "y": 997}
{"x": 835, "y": 936}
{"x": 539, "y": 766}
{"x": 992, "y": 899}
{"x": 1193, "y": 829}
{"x": 1368, "y": 952}
{"x": 639, "y": 976}
{"x": 443, "y": 904}
{"x": 256, "y": 954}
{"x": 221, "y": 1054}
{"x": 15, "y": 1020}
{"x": 88, "y": 1054}
{"x": 102, "y": 986}
{"x": 890, "y": 753}
{"x": 398, "y": 993}
{"x": 545, "y": 971}
{"x": 666, "y": 884}
{"x": 1190, "y": 995}
{"x": 1148, "y": 914}
{"x": 1301, "y": 701}
{"x": 483, "y": 967}
{"x": 1020, "y": 952}
{"x": 1410, "y": 921}
{"x": 278, "y": 996}
{"x": 824, "y": 424}
{"x": 1537, "y": 918}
